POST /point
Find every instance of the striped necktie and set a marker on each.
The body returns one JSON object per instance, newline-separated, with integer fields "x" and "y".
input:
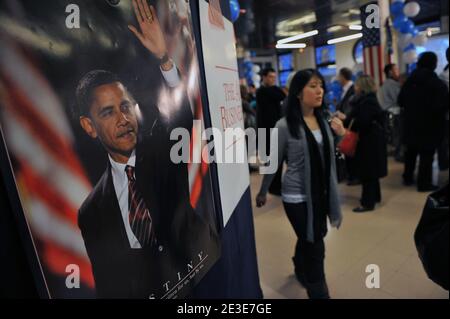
{"x": 139, "y": 216}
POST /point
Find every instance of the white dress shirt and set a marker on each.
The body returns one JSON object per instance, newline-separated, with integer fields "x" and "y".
{"x": 172, "y": 78}
{"x": 119, "y": 176}
{"x": 120, "y": 181}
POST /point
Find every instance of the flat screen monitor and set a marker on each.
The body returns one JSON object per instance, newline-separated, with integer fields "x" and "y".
{"x": 326, "y": 55}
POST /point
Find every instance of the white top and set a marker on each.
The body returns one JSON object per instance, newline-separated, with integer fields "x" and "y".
{"x": 119, "y": 176}
{"x": 346, "y": 88}
{"x": 318, "y": 136}
{"x": 301, "y": 198}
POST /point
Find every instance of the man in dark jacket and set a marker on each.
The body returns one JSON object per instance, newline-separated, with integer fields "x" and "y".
{"x": 424, "y": 100}
{"x": 268, "y": 101}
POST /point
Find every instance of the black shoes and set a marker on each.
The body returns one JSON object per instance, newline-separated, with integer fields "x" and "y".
{"x": 363, "y": 209}
{"x": 318, "y": 290}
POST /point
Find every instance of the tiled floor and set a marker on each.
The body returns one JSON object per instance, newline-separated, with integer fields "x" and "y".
{"x": 383, "y": 237}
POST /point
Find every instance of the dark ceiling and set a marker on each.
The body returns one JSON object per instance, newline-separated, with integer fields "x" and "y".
{"x": 257, "y": 28}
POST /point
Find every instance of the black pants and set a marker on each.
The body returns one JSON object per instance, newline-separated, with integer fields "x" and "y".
{"x": 309, "y": 257}
{"x": 397, "y": 136}
{"x": 424, "y": 177}
{"x": 351, "y": 168}
{"x": 371, "y": 193}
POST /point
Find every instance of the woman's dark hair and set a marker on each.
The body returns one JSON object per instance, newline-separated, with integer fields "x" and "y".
{"x": 294, "y": 115}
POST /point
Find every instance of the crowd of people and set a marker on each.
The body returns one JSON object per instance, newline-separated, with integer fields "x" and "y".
{"x": 410, "y": 114}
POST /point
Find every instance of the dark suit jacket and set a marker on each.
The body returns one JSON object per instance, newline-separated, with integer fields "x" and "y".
{"x": 122, "y": 272}
{"x": 344, "y": 105}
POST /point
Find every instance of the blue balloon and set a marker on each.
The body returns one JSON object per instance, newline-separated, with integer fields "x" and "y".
{"x": 407, "y": 27}
{"x": 235, "y": 10}
{"x": 410, "y": 47}
{"x": 399, "y": 21}
{"x": 397, "y": 8}
{"x": 414, "y": 32}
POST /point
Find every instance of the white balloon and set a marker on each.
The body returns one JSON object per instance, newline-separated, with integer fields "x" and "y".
{"x": 256, "y": 78}
{"x": 405, "y": 40}
{"x": 411, "y": 9}
{"x": 420, "y": 40}
{"x": 410, "y": 57}
{"x": 256, "y": 68}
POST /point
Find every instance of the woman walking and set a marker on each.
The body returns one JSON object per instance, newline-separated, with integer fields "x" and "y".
{"x": 309, "y": 186}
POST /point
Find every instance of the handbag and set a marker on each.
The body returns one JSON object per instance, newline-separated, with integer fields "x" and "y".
{"x": 347, "y": 145}
{"x": 431, "y": 237}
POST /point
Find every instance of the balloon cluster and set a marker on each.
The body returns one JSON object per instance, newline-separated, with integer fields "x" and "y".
{"x": 235, "y": 10}
{"x": 410, "y": 37}
{"x": 333, "y": 95}
{"x": 251, "y": 71}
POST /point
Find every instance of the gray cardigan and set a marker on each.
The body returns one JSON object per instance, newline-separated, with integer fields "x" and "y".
{"x": 297, "y": 178}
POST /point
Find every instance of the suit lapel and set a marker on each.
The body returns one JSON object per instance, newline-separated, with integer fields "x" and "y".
{"x": 146, "y": 178}
{"x": 110, "y": 212}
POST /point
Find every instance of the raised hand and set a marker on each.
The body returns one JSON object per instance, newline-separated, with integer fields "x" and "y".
{"x": 149, "y": 33}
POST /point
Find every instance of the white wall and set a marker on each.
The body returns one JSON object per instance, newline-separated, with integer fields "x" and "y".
{"x": 305, "y": 60}
{"x": 344, "y": 55}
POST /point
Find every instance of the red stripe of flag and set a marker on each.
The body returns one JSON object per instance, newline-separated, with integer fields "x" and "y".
{"x": 51, "y": 140}
{"x": 40, "y": 188}
{"x": 57, "y": 258}
{"x": 380, "y": 65}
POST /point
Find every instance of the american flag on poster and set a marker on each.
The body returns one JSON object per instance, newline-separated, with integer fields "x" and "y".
{"x": 373, "y": 52}
{"x": 50, "y": 179}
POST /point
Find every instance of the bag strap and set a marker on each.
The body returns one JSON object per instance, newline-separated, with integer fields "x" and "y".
{"x": 351, "y": 124}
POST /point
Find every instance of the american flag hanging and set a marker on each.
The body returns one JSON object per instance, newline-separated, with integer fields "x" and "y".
{"x": 373, "y": 52}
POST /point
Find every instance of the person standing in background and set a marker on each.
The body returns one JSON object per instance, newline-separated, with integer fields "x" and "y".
{"x": 389, "y": 96}
{"x": 344, "y": 108}
{"x": 348, "y": 90}
{"x": 268, "y": 112}
{"x": 424, "y": 101}
{"x": 444, "y": 75}
{"x": 443, "y": 156}
{"x": 371, "y": 152}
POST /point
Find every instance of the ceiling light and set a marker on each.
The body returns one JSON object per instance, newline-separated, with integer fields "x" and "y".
{"x": 298, "y": 37}
{"x": 355, "y": 27}
{"x": 290, "y": 46}
{"x": 334, "y": 28}
{"x": 346, "y": 38}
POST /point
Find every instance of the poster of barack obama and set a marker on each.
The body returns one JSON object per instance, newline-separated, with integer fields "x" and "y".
{"x": 87, "y": 108}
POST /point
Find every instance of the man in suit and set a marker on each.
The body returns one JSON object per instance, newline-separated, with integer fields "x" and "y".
{"x": 141, "y": 234}
{"x": 344, "y": 107}
{"x": 268, "y": 111}
{"x": 348, "y": 90}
